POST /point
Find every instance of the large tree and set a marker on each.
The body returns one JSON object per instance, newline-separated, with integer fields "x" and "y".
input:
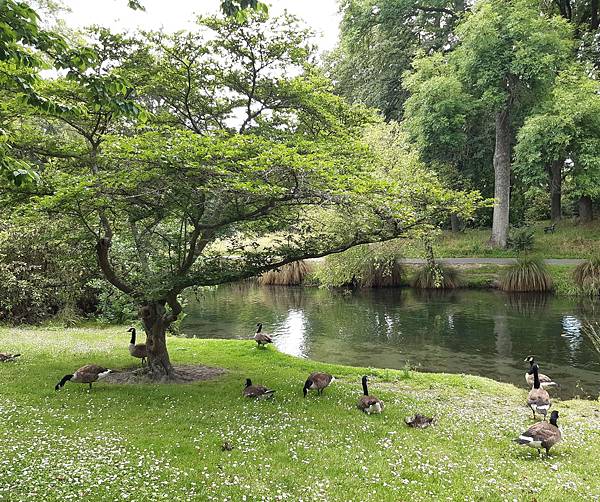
{"x": 206, "y": 157}
{"x": 507, "y": 57}
{"x": 561, "y": 140}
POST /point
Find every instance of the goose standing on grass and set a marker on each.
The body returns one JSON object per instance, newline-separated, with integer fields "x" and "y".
{"x": 317, "y": 381}
{"x": 261, "y": 338}
{"x": 538, "y": 398}
{"x": 545, "y": 381}
{"x": 5, "y": 357}
{"x": 369, "y": 404}
{"x": 86, "y": 374}
{"x": 542, "y": 435}
{"x": 257, "y": 391}
{"x": 140, "y": 350}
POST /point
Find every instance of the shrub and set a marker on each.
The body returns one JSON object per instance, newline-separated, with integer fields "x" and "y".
{"x": 436, "y": 276}
{"x": 367, "y": 266}
{"x": 521, "y": 239}
{"x": 592, "y": 331}
{"x": 587, "y": 276}
{"x": 291, "y": 274}
{"x": 528, "y": 274}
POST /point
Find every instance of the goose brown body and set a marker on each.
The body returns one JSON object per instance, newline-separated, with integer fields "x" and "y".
{"x": 256, "y": 391}
{"x": 5, "y": 357}
{"x": 317, "y": 381}
{"x": 545, "y": 380}
{"x": 369, "y": 404}
{"x": 139, "y": 350}
{"x": 89, "y": 374}
{"x": 538, "y": 399}
{"x": 542, "y": 435}
{"x": 261, "y": 338}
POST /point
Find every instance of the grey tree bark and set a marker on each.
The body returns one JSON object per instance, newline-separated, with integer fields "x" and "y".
{"x": 455, "y": 222}
{"x": 556, "y": 190}
{"x": 586, "y": 212}
{"x": 156, "y": 322}
{"x": 502, "y": 153}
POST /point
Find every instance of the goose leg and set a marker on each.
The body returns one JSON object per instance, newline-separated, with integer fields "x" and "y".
{"x": 90, "y": 386}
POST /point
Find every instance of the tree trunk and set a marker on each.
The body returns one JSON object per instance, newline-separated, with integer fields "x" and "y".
{"x": 156, "y": 323}
{"x": 500, "y": 220}
{"x": 455, "y": 222}
{"x": 556, "y": 190}
{"x": 586, "y": 212}
{"x": 594, "y": 21}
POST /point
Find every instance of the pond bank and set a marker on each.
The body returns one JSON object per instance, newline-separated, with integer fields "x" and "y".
{"x": 318, "y": 448}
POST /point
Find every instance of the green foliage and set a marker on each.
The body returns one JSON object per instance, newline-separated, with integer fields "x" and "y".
{"x": 587, "y": 276}
{"x": 369, "y": 266}
{"x": 436, "y": 276}
{"x": 521, "y": 239}
{"x": 113, "y": 306}
{"x": 528, "y": 274}
{"x": 565, "y": 129}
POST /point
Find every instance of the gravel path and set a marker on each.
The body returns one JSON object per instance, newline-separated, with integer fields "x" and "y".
{"x": 490, "y": 261}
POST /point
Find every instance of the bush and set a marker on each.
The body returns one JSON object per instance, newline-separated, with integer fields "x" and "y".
{"x": 436, "y": 276}
{"x": 587, "y": 276}
{"x": 526, "y": 275}
{"x": 521, "y": 239}
{"x": 366, "y": 266}
{"x": 114, "y": 306}
{"x": 292, "y": 274}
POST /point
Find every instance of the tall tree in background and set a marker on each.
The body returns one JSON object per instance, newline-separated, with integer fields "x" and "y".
{"x": 561, "y": 140}
{"x": 379, "y": 39}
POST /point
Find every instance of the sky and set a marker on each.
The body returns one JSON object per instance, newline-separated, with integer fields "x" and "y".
{"x": 321, "y": 15}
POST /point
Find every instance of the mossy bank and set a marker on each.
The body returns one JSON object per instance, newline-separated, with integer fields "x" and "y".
{"x": 152, "y": 442}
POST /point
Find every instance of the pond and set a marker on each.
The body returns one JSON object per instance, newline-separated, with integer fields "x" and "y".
{"x": 486, "y": 333}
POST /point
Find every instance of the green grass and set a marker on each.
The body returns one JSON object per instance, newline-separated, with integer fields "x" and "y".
{"x": 569, "y": 241}
{"x": 154, "y": 442}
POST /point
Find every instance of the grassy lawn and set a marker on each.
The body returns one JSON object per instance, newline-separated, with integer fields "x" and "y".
{"x": 569, "y": 241}
{"x": 152, "y": 442}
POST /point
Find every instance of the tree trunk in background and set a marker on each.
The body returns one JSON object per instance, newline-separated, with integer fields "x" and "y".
{"x": 594, "y": 21}
{"x": 155, "y": 324}
{"x": 556, "y": 190}
{"x": 500, "y": 220}
{"x": 455, "y": 222}
{"x": 586, "y": 212}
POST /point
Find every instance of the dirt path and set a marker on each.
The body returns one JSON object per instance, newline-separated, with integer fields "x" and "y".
{"x": 489, "y": 261}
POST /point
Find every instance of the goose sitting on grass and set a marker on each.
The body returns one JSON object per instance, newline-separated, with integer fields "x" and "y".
{"x": 317, "y": 381}
{"x": 545, "y": 381}
{"x": 256, "y": 391}
{"x": 140, "y": 350}
{"x": 542, "y": 435}
{"x": 369, "y": 404}
{"x": 261, "y": 338}
{"x": 5, "y": 357}
{"x": 86, "y": 374}
{"x": 538, "y": 398}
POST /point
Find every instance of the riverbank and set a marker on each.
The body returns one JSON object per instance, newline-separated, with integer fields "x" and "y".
{"x": 165, "y": 441}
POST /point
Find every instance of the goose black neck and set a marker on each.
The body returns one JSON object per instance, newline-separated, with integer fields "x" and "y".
{"x": 259, "y": 327}
{"x": 365, "y": 389}
{"x": 553, "y": 421}
{"x": 132, "y": 342}
{"x": 248, "y": 382}
{"x": 536, "y": 378}
{"x": 62, "y": 382}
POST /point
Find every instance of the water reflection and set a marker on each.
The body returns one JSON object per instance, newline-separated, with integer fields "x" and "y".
{"x": 479, "y": 332}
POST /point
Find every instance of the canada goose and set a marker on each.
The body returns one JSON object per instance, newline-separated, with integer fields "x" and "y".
{"x": 86, "y": 374}
{"x": 542, "y": 435}
{"x": 538, "y": 398}
{"x": 256, "y": 390}
{"x": 317, "y": 381}
{"x": 545, "y": 381}
{"x": 262, "y": 339}
{"x": 369, "y": 404}
{"x": 140, "y": 350}
{"x": 5, "y": 357}
{"x": 418, "y": 421}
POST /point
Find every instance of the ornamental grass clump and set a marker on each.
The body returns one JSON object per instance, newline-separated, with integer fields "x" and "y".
{"x": 436, "y": 276}
{"x": 528, "y": 274}
{"x": 291, "y": 274}
{"x": 587, "y": 276}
